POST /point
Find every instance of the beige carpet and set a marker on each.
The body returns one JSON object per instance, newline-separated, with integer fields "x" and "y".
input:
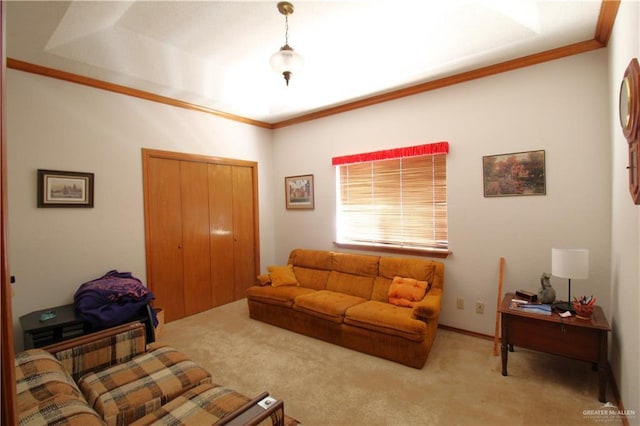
{"x": 324, "y": 384}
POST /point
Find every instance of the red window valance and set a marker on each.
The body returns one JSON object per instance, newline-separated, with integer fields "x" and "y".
{"x": 387, "y": 154}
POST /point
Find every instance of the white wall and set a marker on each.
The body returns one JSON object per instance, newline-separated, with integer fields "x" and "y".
{"x": 625, "y": 250}
{"x": 57, "y": 125}
{"x": 560, "y": 106}
{"x": 567, "y": 107}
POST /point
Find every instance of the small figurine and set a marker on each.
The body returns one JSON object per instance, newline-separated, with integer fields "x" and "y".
{"x": 547, "y": 294}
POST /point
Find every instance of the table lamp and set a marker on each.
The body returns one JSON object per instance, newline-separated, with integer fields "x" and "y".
{"x": 569, "y": 263}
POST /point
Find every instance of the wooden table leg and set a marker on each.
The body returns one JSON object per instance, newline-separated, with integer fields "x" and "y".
{"x": 504, "y": 347}
{"x": 504, "y": 352}
{"x": 602, "y": 383}
{"x": 603, "y": 368}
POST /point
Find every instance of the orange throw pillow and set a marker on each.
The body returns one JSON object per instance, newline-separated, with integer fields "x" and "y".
{"x": 282, "y": 275}
{"x": 405, "y": 291}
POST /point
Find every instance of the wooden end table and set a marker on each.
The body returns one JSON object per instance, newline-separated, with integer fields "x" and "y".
{"x": 583, "y": 340}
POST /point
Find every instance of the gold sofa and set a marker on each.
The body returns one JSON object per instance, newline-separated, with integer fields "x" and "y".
{"x": 344, "y": 299}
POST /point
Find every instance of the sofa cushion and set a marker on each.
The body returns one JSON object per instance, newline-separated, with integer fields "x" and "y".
{"x": 381, "y": 289}
{"x": 203, "y": 405}
{"x": 418, "y": 269}
{"x": 354, "y": 285}
{"x": 314, "y": 259}
{"x": 101, "y": 350}
{"x": 386, "y": 318}
{"x": 311, "y": 267}
{"x": 356, "y": 264}
{"x": 315, "y": 279}
{"x": 326, "y": 304}
{"x": 282, "y": 275}
{"x": 282, "y": 296}
{"x": 39, "y": 377}
{"x": 128, "y": 391}
{"x": 60, "y": 409}
{"x": 406, "y": 291}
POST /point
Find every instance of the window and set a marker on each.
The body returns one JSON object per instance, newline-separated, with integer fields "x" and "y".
{"x": 396, "y": 199}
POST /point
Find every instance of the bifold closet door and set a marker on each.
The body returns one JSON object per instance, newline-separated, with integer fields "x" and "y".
{"x": 179, "y": 215}
{"x": 194, "y": 190}
{"x": 202, "y": 230}
{"x": 244, "y": 212}
{"x": 232, "y": 219}
{"x": 164, "y": 235}
{"x": 221, "y": 211}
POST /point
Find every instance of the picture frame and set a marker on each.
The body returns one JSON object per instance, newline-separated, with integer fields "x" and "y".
{"x": 514, "y": 174}
{"x": 299, "y": 192}
{"x": 57, "y": 188}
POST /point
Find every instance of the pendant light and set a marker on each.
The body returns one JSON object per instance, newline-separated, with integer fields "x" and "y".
{"x": 286, "y": 60}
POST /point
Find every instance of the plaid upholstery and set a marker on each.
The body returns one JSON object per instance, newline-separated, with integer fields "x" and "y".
{"x": 46, "y": 394}
{"x": 102, "y": 353}
{"x": 128, "y": 391}
{"x": 203, "y": 405}
{"x": 39, "y": 377}
{"x": 60, "y": 410}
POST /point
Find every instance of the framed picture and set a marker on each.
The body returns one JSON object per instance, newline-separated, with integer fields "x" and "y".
{"x": 64, "y": 189}
{"x": 519, "y": 173}
{"x": 299, "y": 192}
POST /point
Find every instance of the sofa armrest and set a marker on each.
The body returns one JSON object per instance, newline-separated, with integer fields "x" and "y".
{"x": 99, "y": 350}
{"x": 263, "y": 279}
{"x": 429, "y": 306}
{"x": 252, "y": 414}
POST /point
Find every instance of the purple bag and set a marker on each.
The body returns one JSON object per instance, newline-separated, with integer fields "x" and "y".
{"x": 113, "y": 299}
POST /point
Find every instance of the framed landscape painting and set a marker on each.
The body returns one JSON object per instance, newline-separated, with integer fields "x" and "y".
{"x": 519, "y": 173}
{"x": 299, "y": 192}
{"x": 64, "y": 189}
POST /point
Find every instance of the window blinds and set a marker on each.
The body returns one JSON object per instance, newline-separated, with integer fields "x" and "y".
{"x": 394, "y": 197}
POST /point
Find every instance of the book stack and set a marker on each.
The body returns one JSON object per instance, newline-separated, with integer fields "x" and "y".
{"x": 533, "y": 308}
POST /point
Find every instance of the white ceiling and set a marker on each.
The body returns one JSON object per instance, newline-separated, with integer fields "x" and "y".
{"x": 216, "y": 53}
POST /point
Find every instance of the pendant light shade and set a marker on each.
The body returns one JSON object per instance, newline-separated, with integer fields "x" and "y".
{"x": 286, "y": 61}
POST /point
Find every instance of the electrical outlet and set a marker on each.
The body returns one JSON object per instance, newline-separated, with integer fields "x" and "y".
{"x": 479, "y": 307}
{"x": 460, "y": 303}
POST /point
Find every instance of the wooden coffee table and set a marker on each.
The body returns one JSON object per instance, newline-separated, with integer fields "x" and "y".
{"x": 583, "y": 340}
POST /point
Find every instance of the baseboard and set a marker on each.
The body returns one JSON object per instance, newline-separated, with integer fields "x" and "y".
{"x": 465, "y": 332}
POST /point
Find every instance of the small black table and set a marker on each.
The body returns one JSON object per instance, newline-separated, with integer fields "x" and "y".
{"x": 67, "y": 324}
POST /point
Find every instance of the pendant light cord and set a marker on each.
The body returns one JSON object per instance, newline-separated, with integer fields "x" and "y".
{"x": 286, "y": 30}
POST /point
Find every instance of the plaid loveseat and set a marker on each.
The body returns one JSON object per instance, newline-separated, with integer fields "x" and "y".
{"x": 46, "y": 379}
{"x": 112, "y": 378}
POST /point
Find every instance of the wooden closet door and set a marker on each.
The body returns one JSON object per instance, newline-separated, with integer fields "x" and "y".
{"x": 221, "y": 211}
{"x": 244, "y": 225}
{"x": 194, "y": 191}
{"x": 202, "y": 238}
{"x": 164, "y": 235}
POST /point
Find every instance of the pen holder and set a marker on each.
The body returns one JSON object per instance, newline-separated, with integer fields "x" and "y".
{"x": 583, "y": 311}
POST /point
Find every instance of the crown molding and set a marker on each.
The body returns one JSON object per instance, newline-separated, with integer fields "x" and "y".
{"x": 124, "y": 90}
{"x": 604, "y": 27}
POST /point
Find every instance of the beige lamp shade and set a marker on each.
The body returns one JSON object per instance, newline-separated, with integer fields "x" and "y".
{"x": 570, "y": 263}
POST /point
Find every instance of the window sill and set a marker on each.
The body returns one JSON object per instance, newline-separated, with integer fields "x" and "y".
{"x": 440, "y": 254}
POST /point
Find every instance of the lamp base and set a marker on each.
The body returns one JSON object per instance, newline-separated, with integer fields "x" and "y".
{"x": 564, "y": 306}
